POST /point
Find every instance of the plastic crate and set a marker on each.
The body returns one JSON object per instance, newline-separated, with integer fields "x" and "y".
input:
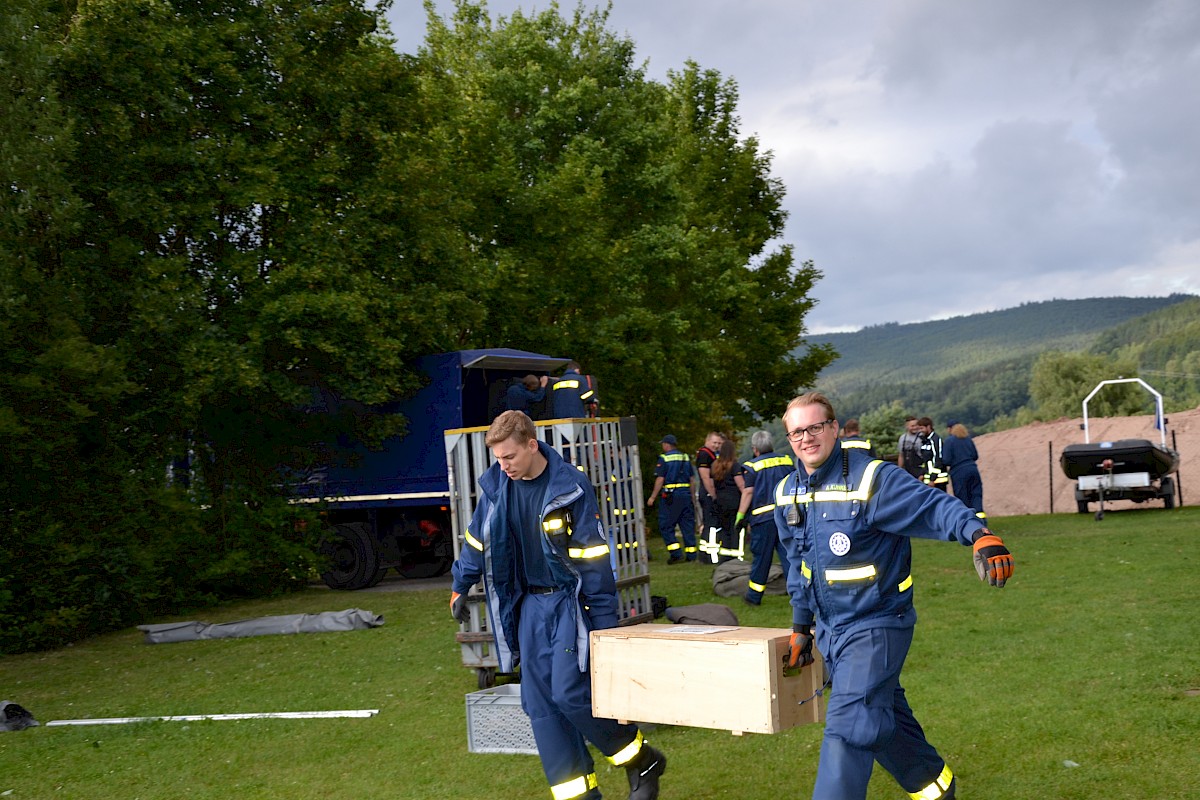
{"x": 496, "y": 723}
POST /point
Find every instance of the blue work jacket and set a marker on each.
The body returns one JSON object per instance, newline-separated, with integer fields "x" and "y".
{"x": 569, "y": 394}
{"x": 763, "y": 474}
{"x": 851, "y": 555}
{"x": 578, "y": 556}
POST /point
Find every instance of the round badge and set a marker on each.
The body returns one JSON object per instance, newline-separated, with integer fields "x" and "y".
{"x": 839, "y": 543}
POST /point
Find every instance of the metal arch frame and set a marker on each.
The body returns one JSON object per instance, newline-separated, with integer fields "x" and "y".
{"x": 1158, "y": 408}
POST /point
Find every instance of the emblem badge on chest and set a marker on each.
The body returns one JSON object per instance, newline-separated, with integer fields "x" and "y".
{"x": 839, "y": 543}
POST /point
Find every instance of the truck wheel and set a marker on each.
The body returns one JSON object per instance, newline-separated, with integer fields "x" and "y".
{"x": 351, "y": 555}
{"x": 431, "y": 561}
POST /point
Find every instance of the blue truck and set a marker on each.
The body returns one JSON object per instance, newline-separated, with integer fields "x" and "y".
{"x": 390, "y": 507}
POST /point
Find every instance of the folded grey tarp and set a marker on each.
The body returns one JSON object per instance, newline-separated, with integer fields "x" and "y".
{"x": 351, "y": 619}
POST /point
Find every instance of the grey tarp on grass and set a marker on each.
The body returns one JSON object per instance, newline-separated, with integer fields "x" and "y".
{"x": 15, "y": 718}
{"x": 351, "y": 619}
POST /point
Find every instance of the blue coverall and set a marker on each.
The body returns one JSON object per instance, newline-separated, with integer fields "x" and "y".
{"x": 675, "y": 504}
{"x": 851, "y": 555}
{"x": 570, "y": 394}
{"x": 763, "y": 473}
{"x": 545, "y": 629}
{"x": 518, "y": 398}
{"x": 960, "y": 456}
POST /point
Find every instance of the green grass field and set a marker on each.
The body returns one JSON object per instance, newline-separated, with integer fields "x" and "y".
{"x": 1089, "y": 657}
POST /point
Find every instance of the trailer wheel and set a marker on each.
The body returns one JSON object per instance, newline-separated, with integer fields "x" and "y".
{"x": 352, "y": 557}
{"x": 1167, "y": 492}
{"x": 486, "y": 677}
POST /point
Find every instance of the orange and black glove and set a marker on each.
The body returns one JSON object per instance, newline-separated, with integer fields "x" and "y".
{"x": 800, "y": 646}
{"x": 993, "y": 562}
{"x": 458, "y": 607}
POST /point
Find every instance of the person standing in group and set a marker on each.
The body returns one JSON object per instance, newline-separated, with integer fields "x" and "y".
{"x": 572, "y": 395}
{"x": 706, "y": 491}
{"x": 724, "y": 534}
{"x": 908, "y": 458}
{"x": 537, "y": 544}
{"x": 521, "y": 395}
{"x": 929, "y": 448}
{"x": 960, "y": 455}
{"x": 763, "y": 473}
{"x": 852, "y": 437}
{"x": 847, "y": 521}
{"x": 673, "y": 484}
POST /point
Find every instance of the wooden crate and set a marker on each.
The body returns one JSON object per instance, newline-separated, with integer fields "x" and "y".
{"x": 729, "y": 678}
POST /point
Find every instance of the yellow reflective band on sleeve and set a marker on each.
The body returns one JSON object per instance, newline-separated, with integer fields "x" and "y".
{"x": 586, "y": 395}
{"x": 754, "y": 512}
{"x": 628, "y": 752}
{"x": 567, "y": 385}
{"x": 936, "y": 789}
{"x": 906, "y": 584}
{"x": 806, "y": 570}
{"x": 551, "y": 525}
{"x": 757, "y": 587}
{"x": 471, "y": 540}
{"x": 850, "y": 574}
{"x": 588, "y": 552}
{"x": 576, "y": 787}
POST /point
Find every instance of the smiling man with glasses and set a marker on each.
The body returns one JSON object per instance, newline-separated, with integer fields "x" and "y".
{"x": 846, "y": 520}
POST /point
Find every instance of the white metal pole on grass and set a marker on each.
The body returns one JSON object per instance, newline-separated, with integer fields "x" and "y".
{"x": 363, "y": 712}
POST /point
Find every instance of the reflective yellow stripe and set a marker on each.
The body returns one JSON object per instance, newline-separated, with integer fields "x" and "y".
{"x": 862, "y": 493}
{"x": 777, "y": 461}
{"x": 850, "y": 574}
{"x": 677, "y": 486}
{"x": 848, "y": 445}
{"x": 586, "y": 395}
{"x": 936, "y": 789}
{"x": 567, "y": 385}
{"x": 576, "y": 787}
{"x": 471, "y": 540}
{"x": 806, "y": 570}
{"x": 762, "y": 510}
{"x": 588, "y": 552}
{"x": 552, "y": 524}
{"x": 674, "y": 457}
{"x": 628, "y": 752}
{"x": 758, "y": 587}
{"x": 674, "y": 546}
{"x": 906, "y": 584}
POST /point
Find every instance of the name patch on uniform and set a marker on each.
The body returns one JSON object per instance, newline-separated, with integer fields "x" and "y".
{"x": 839, "y": 543}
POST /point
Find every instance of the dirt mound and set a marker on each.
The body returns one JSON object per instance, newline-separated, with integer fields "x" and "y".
{"x": 1020, "y": 467}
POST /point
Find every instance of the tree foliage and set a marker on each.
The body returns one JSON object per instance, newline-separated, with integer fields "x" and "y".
{"x": 216, "y": 208}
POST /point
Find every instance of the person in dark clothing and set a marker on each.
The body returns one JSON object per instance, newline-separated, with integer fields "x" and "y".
{"x": 673, "y": 484}
{"x": 724, "y": 535}
{"x": 763, "y": 473}
{"x": 852, "y": 437}
{"x": 960, "y": 456}
{"x": 929, "y": 448}
{"x": 523, "y": 394}
{"x": 572, "y": 394}
{"x": 537, "y": 545}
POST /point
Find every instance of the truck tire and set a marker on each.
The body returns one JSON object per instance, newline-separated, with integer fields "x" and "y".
{"x": 352, "y": 557}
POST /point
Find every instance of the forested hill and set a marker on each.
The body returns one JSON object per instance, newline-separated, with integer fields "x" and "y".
{"x": 927, "y": 352}
{"x": 979, "y": 368}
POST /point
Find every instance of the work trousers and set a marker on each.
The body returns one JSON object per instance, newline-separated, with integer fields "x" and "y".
{"x": 675, "y": 509}
{"x": 867, "y": 717}
{"x": 968, "y": 486}
{"x": 764, "y": 542}
{"x": 558, "y": 697}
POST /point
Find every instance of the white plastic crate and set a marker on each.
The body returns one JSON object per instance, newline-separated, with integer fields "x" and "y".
{"x": 496, "y": 723}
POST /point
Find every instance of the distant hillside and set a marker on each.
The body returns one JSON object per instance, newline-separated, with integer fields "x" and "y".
{"x": 976, "y": 368}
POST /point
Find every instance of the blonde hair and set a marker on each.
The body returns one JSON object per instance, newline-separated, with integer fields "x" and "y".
{"x": 510, "y": 425}
{"x": 812, "y": 399}
{"x": 959, "y": 430}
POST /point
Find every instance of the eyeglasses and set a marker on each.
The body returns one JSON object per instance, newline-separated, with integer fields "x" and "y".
{"x": 814, "y": 431}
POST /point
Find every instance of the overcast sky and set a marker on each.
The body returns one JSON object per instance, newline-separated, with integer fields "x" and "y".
{"x": 946, "y": 157}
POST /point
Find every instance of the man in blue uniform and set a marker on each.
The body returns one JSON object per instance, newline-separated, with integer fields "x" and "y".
{"x": 763, "y": 473}
{"x": 522, "y": 394}
{"x": 537, "y": 544}
{"x": 852, "y": 437}
{"x": 673, "y": 483}
{"x": 572, "y": 394}
{"x": 846, "y": 520}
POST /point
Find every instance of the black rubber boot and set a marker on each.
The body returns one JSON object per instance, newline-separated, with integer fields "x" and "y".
{"x": 644, "y": 772}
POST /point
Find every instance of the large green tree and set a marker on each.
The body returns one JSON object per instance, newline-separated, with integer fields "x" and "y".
{"x": 618, "y": 220}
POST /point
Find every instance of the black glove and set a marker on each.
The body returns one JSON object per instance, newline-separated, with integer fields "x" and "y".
{"x": 800, "y": 646}
{"x": 458, "y": 607}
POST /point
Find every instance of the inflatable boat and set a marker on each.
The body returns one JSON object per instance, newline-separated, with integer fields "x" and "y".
{"x": 1126, "y": 456}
